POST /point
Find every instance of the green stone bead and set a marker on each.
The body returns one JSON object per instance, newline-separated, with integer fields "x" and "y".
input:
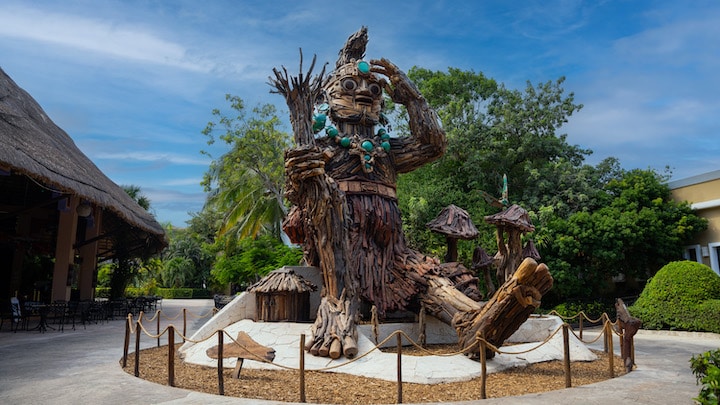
{"x": 386, "y": 145}
{"x": 367, "y": 145}
{"x": 368, "y": 157}
{"x": 381, "y": 132}
{"x": 368, "y": 166}
{"x": 385, "y": 137}
{"x": 363, "y": 67}
{"x": 332, "y": 132}
{"x": 345, "y": 142}
{"x": 320, "y": 118}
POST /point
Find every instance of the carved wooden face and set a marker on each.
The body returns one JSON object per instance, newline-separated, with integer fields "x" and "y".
{"x": 353, "y": 96}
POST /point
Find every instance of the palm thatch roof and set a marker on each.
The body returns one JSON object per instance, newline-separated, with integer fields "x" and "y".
{"x": 283, "y": 279}
{"x": 33, "y": 146}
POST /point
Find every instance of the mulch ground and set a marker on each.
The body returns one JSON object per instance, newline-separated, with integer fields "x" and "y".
{"x": 338, "y": 388}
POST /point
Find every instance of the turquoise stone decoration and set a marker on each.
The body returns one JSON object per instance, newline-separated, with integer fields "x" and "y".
{"x": 368, "y": 166}
{"x": 332, "y": 132}
{"x": 319, "y": 122}
{"x": 385, "y": 145}
{"x": 368, "y": 157}
{"x": 367, "y": 145}
{"x": 363, "y": 67}
{"x": 385, "y": 137}
{"x": 345, "y": 142}
{"x": 381, "y": 132}
{"x": 324, "y": 108}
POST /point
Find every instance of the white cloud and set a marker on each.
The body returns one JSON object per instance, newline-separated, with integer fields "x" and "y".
{"x": 122, "y": 41}
{"x": 153, "y": 157}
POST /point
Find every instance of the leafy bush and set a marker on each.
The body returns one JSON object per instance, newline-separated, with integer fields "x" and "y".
{"x": 168, "y": 293}
{"x": 682, "y": 295}
{"x": 592, "y": 309}
{"x": 706, "y": 368}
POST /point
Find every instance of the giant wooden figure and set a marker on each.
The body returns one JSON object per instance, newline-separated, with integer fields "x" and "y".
{"x": 341, "y": 178}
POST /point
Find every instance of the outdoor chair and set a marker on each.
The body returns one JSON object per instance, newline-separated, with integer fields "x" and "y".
{"x": 18, "y": 319}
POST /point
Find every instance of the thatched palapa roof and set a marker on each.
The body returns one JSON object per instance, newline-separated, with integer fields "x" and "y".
{"x": 283, "y": 279}
{"x": 33, "y": 146}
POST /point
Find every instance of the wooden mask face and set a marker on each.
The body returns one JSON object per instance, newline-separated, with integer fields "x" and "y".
{"x": 354, "y": 94}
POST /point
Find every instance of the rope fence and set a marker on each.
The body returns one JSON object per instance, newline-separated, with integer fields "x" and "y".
{"x": 483, "y": 346}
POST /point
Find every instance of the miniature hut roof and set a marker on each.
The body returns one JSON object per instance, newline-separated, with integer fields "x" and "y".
{"x": 514, "y": 216}
{"x": 481, "y": 258}
{"x": 530, "y": 251}
{"x": 454, "y": 221}
{"x": 283, "y": 279}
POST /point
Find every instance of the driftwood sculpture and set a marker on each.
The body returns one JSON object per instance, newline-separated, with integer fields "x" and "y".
{"x": 341, "y": 178}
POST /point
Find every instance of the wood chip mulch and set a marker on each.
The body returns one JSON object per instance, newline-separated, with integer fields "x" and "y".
{"x": 338, "y": 388}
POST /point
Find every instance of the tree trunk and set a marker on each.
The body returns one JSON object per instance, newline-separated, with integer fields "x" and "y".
{"x": 511, "y": 305}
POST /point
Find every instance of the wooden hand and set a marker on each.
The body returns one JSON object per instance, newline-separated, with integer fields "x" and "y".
{"x": 400, "y": 88}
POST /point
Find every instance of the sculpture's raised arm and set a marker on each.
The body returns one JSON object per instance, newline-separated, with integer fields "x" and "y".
{"x": 427, "y": 141}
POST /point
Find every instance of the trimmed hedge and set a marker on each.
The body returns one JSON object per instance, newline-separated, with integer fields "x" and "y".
{"x": 169, "y": 293}
{"x": 683, "y": 295}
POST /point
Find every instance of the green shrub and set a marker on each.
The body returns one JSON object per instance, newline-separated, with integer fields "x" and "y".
{"x": 706, "y": 368}
{"x": 680, "y": 296}
{"x": 593, "y": 309}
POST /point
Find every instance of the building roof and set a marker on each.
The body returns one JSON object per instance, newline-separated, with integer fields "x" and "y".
{"x": 33, "y": 146}
{"x": 700, "y": 178}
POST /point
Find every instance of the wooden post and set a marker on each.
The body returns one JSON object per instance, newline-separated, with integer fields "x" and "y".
{"x": 221, "y": 382}
{"x": 137, "y": 348}
{"x": 171, "y": 356}
{"x": 302, "y": 368}
{"x": 399, "y": 368}
{"x": 158, "y": 328}
{"x": 581, "y": 325}
{"x": 184, "y": 323}
{"x": 566, "y": 355}
{"x": 483, "y": 368}
{"x": 127, "y": 341}
{"x": 611, "y": 354}
{"x": 605, "y": 330}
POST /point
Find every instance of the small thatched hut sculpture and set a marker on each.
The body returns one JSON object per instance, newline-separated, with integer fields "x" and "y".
{"x": 283, "y": 295}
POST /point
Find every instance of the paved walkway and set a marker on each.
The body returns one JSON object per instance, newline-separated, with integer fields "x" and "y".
{"x": 82, "y": 367}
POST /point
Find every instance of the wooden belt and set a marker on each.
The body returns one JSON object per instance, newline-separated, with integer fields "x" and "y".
{"x": 367, "y": 187}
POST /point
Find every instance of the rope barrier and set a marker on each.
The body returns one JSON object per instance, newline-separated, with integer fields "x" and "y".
{"x": 479, "y": 342}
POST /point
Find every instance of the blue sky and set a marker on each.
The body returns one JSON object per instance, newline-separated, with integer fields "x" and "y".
{"x": 134, "y": 82}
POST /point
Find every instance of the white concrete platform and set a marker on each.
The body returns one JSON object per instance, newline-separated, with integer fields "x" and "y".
{"x": 285, "y": 339}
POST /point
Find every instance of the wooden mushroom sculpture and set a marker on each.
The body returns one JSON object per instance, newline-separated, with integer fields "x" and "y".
{"x": 513, "y": 221}
{"x": 455, "y": 223}
{"x": 483, "y": 261}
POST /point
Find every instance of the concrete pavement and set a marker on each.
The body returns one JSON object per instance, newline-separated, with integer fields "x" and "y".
{"x": 82, "y": 367}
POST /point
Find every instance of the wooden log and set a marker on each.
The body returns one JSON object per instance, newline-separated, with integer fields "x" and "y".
{"x": 511, "y": 305}
{"x": 245, "y": 348}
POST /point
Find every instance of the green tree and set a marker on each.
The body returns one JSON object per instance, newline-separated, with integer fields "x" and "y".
{"x": 128, "y": 264}
{"x": 491, "y": 131}
{"x": 638, "y": 231}
{"x": 253, "y": 258}
{"x": 247, "y": 182}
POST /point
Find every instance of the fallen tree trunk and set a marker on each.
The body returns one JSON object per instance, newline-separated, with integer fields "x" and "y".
{"x": 511, "y": 305}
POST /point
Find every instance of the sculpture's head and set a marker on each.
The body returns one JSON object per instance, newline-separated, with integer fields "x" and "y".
{"x": 352, "y": 91}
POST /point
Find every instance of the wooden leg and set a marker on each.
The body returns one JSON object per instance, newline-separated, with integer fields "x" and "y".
{"x": 238, "y": 367}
